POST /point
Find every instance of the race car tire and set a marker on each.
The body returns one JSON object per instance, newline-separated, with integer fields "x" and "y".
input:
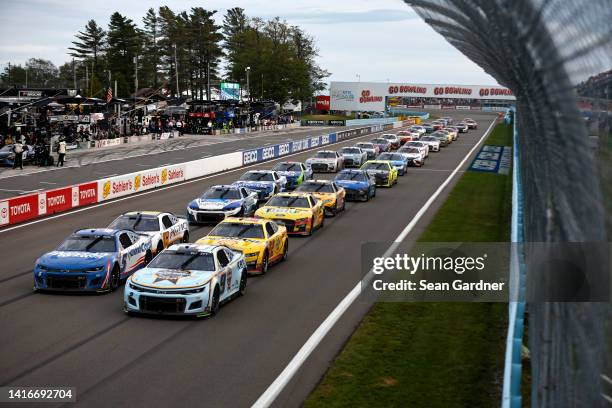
{"x": 148, "y": 257}
{"x": 185, "y": 238}
{"x": 265, "y": 263}
{"x": 334, "y": 211}
{"x": 367, "y": 197}
{"x": 343, "y": 205}
{"x": 311, "y": 230}
{"x": 243, "y": 283}
{"x": 214, "y": 305}
{"x": 115, "y": 279}
{"x": 322, "y": 224}
{"x": 285, "y": 250}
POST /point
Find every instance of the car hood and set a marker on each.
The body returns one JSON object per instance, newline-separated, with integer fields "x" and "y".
{"x": 352, "y": 184}
{"x": 256, "y": 185}
{"x": 213, "y": 203}
{"x": 282, "y": 211}
{"x": 290, "y": 174}
{"x": 74, "y": 260}
{"x": 320, "y": 160}
{"x": 240, "y": 244}
{"x": 170, "y": 278}
{"x": 352, "y": 155}
{"x": 377, "y": 171}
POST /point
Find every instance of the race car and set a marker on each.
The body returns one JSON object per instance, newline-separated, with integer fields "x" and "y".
{"x": 358, "y": 184}
{"x": 420, "y": 129}
{"x": 300, "y": 213}
{"x": 164, "y": 228}
{"x": 442, "y": 138}
{"x": 7, "y": 157}
{"x": 428, "y": 127}
{"x": 326, "y": 161}
{"x": 383, "y": 172}
{"x": 353, "y": 156}
{"x": 372, "y": 150}
{"x": 399, "y": 161}
{"x": 433, "y": 142}
{"x": 92, "y": 260}
{"x": 222, "y": 201}
{"x": 393, "y": 139}
{"x": 265, "y": 182}
{"x": 263, "y": 242}
{"x": 332, "y": 196}
{"x": 471, "y": 123}
{"x": 453, "y": 131}
{"x": 383, "y": 144}
{"x": 408, "y": 135}
{"x": 448, "y": 120}
{"x": 414, "y": 155}
{"x": 438, "y": 124}
{"x": 294, "y": 172}
{"x": 462, "y": 127}
{"x": 423, "y": 147}
{"x": 449, "y": 135}
{"x": 186, "y": 279}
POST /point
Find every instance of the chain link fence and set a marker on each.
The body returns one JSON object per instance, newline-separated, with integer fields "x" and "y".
{"x": 556, "y": 56}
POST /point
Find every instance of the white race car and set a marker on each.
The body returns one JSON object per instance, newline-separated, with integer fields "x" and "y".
{"x": 433, "y": 142}
{"x": 187, "y": 279}
{"x": 326, "y": 161}
{"x": 164, "y": 228}
{"x": 423, "y": 147}
{"x": 413, "y": 154}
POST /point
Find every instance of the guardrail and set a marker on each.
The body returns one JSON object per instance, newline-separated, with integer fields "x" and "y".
{"x": 28, "y": 207}
{"x": 511, "y": 393}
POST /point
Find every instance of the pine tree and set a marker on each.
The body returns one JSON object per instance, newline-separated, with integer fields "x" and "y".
{"x": 89, "y": 43}
{"x": 124, "y": 44}
{"x": 151, "y": 52}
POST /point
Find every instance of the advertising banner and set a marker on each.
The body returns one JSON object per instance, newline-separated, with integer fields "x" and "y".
{"x": 50, "y": 202}
{"x": 87, "y": 193}
{"x": 108, "y": 142}
{"x": 126, "y": 184}
{"x": 271, "y": 152}
{"x": 230, "y": 90}
{"x": 4, "y": 213}
{"x": 460, "y": 107}
{"x": 22, "y": 208}
{"x": 432, "y": 106}
{"x": 322, "y": 102}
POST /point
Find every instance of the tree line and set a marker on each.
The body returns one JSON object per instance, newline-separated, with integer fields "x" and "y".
{"x": 181, "y": 53}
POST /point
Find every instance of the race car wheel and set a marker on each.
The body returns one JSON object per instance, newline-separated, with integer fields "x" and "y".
{"x": 264, "y": 263}
{"x": 243, "y": 283}
{"x": 185, "y": 238}
{"x": 311, "y": 230}
{"x": 343, "y": 205}
{"x": 148, "y": 257}
{"x": 285, "y": 250}
{"x": 367, "y": 197}
{"x": 322, "y": 224}
{"x": 214, "y": 305}
{"x": 115, "y": 279}
{"x": 334, "y": 210}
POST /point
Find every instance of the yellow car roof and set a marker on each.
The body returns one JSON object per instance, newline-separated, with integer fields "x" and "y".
{"x": 292, "y": 194}
{"x": 245, "y": 220}
{"x": 377, "y": 161}
{"x": 143, "y": 213}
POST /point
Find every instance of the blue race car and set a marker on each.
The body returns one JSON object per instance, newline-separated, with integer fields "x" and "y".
{"x": 92, "y": 260}
{"x": 222, "y": 201}
{"x": 295, "y": 173}
{"x": 265, "y": 182}
{"x": 358, "y": 184}
{"x": 383, "y": 144}
{"x": 397, "y": 160}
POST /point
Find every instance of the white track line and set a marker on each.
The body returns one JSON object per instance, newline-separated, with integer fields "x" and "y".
{"x": 182, "y": 184}
{"x": 267, "y": 398}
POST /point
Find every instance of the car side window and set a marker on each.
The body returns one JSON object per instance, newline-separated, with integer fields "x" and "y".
{"x": 269, "y": 229}
{"x": 125, "y": 240}
{"x": 313, "y": 201}
{"x": 275, "y": 176}
{"x": 229, "y": 254}
{"x": 222, "y": 258}
{"x": 166, "y": 221}
{"x": 244, "y": 192}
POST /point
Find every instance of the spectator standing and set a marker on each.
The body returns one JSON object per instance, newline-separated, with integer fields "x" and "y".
{"x": 179, "y": 127}
{"x": 61, "y": 150}
{"x": 18, "y": 151}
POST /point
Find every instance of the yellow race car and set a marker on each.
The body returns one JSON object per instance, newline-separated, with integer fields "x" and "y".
{"x": 332, "y": 195}
{"x": 263, "y": 242}
{"x": 300, "y": 213}
{"x": 384, "y": 173}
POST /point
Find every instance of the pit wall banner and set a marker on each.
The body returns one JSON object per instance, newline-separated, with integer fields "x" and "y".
{"x": 126, "y": 184}
{"x": 272, "y": 152}
{"x": 371, "y": 96}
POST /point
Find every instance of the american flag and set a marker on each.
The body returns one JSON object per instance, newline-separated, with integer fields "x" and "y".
{"x": 109, "y": 95}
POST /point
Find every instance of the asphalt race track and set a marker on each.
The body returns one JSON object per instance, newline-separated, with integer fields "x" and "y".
{"x": 94, "y": 164}
{"x": 114, "y": 360}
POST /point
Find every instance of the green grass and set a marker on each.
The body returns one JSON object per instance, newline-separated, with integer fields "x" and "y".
{"x": 433, "y": 354}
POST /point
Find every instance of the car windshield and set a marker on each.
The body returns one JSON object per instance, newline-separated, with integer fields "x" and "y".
{"x": 199, "y": 261}
{"x": 416, "y": 144}
{"x": 325, "y": 155}
{"x": 256, "y": 176}
{"x": 288, "y": 201}
{"x": 352, "y": 175}
{"x": 91, "y": 243}
{"x": 389, "y": 137}
{"x": 350, "y": 150}
{"x": 429, "y": 139}
{"x": 365, "y": 145}
{"x": 136, "y": 223}
{"x": 288, "y": 167}
{"x": 316, "y": 188}
{"x": 390, "y": 156}
{"x": 237, "y": 230}
{"x": 380, "y": 141}
{"x": 222, "y": 193}
{"x": 376, "y": 166}
{"x": 409, "y": 150}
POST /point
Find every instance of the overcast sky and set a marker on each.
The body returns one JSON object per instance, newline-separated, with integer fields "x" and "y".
{"x": 378, "y": 40}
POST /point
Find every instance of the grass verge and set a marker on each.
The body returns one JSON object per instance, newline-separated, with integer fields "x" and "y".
{"x": 433, "y": 354}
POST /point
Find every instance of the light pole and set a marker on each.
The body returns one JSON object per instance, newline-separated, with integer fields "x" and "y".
{"x": 178, "y": 93}
{"x": 248, "y": 72}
